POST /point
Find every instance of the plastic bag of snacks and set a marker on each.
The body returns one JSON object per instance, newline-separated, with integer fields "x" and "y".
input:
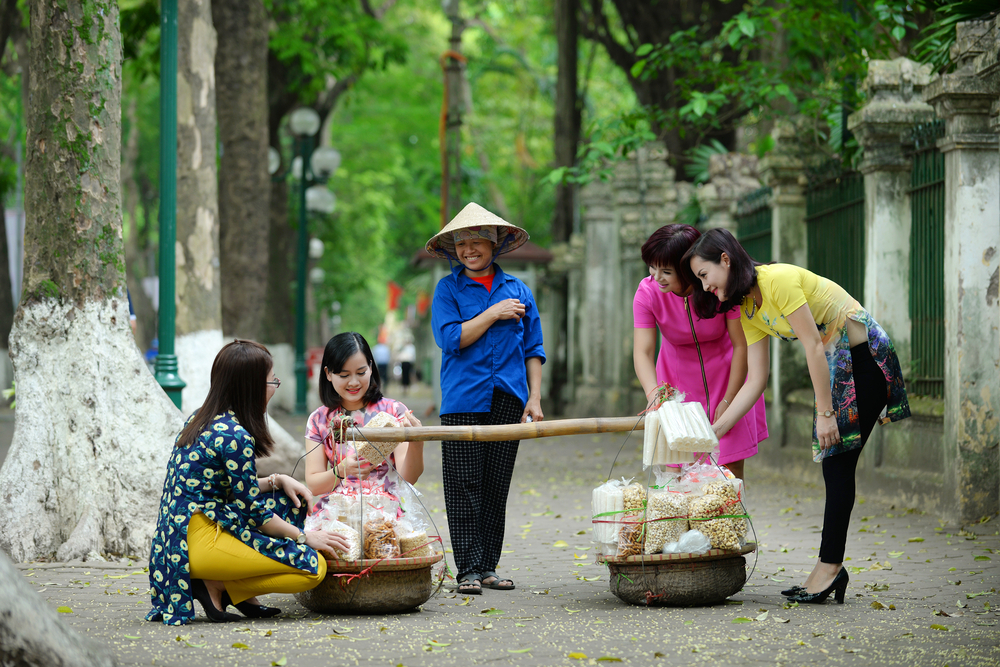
{"x": 732, "y": 491}
{"x": 719, "y": 530}
{"x": 379, "y": 536}
{"x": 607, "y": 506}
{"x": 413, "y": 542}
{"x": 666, "y": 519}
{"x": 686, "y": 428}
{"x": 327, "y": 518}
{"x": 377, "y": 452}
{"x": 632, "y": 533}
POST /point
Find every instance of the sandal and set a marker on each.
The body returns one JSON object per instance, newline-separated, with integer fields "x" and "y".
{"x": 497, "y": 584}
{"x": 470, "y": 584}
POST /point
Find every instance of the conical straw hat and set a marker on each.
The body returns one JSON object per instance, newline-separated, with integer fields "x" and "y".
{"x": 442, "y": 244}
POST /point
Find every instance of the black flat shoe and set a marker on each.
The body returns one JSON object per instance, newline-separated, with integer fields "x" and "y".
{"x": 200, "y": 593}
{"x": 838, "y": 588}
{"x": 249, "y": 609}
{"x": 794, "y": 590}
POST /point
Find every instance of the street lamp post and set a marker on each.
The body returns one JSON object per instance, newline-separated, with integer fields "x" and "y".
{"x": 166, "y": 360}
{"x": 313, "y": 168}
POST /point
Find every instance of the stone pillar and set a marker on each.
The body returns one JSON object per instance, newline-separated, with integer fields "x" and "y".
{"x": 784, "y": 171}
{"x": 972, "y": 262}
{"x": 894, "y": 107}
{"x": 732, "y": 175}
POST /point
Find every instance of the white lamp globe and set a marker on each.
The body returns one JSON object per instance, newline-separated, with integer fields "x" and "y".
{"x": 315, "y": 248}
{"x": 297, "y": 167}
{"x": 319, "y": 199}
{"x": 304, "y": 122}
{"x": 316, "y": 275}
{"x": 325, "y": 161}
{"x": 273, "y": 160}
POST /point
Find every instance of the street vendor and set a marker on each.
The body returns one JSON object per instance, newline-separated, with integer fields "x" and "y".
{"x": 486, "y": 323}
{"x": 852, "y": 364}
{"x": 350, "y": 387}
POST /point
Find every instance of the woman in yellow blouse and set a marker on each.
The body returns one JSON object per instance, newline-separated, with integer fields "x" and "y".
{"x": 852, "y": 364}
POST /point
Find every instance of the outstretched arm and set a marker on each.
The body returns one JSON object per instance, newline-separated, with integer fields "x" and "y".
{"x": 758, "y": 362}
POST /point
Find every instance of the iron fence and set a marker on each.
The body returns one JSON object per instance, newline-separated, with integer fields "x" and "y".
{"x": 835, "y": 227}
{"x": 753, "y": 224}
{"x": 927, "y": 261}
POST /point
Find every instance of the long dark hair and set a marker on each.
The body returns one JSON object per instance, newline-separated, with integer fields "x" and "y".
{"x": 666, "y": 247}
{"x": 742, "y": 271}
{"x": 338, "y": 350}
{"x": 239, "y": 383}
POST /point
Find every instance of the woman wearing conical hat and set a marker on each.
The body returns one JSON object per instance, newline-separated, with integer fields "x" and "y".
{"x": 486, "y": 323}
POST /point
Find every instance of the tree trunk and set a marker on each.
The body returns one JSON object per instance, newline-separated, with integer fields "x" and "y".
{"x": 135, "y": 265}
{"x": 567, "y": 116}
{"x": 92, "y": 428}
{"x": 31, "y": 633}
{"x": 244, "y": 184}
{"x": 199, "y": 308}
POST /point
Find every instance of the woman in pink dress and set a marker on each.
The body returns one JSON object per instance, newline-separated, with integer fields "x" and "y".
{"x": 662, "y": 303}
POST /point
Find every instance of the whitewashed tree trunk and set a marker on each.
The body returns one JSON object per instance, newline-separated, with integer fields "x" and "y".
{"x": 31, "y": 632}
{"x": 93, "y": 429}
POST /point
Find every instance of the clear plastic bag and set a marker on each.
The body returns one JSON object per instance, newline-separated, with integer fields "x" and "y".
{"x": 379, "y": 536}
{"x": 607, "y": 506}
{"x": 666, "y": 519}
{"x": 691, "y": 542}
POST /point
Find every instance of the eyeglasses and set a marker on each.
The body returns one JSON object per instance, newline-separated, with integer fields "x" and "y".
{"x": 276, "y": 382}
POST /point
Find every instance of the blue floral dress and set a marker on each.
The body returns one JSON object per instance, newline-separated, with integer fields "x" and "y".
{"x": 217, "y": 476}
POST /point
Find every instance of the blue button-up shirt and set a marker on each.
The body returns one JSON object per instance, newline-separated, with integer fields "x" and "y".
{"x": 468, "y": 375}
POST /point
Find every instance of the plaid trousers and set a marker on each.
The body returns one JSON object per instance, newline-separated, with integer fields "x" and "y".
{"x": 476, "y": 478}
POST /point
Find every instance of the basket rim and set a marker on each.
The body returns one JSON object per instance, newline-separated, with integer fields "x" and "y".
{"x": 711, "y": 554}
{"x": 381, "y": 564}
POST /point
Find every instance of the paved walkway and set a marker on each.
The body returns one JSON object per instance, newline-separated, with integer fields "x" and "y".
{"x": 922, "y": 592}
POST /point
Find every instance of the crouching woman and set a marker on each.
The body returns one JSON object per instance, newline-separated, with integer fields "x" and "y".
{"x": 224, "y": 536}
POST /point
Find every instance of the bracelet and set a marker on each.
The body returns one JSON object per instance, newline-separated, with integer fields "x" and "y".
{"x": 726, "y": 402}
{"x": 273, "y": 478}
{"x": 336, "y": 473}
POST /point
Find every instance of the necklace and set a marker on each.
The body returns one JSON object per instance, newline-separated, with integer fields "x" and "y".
{"x": 753, "y": 312}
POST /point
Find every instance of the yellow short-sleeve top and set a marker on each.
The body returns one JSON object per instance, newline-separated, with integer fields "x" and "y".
{"x": 784, "y": 288}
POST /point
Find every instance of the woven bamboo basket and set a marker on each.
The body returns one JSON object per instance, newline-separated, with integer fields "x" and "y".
{"x": 679, "y": 580}
{"x": 369, "y": 586}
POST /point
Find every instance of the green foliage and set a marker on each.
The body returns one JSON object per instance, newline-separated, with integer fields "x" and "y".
{"x": 697, "y": 166}
{"x": 328, "y": 38}
{"x": 934, "y": 43}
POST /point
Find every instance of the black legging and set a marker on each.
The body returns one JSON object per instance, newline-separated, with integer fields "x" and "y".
{"x": 839, "y": 470}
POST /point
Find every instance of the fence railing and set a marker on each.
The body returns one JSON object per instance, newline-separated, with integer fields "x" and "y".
{"x": 753, "y": 224}
{"x": 835, "y": 227}
{"x": 927, "y": 261}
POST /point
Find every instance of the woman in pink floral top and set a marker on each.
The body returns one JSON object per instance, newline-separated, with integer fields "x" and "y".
{"x": 350, "y": 387}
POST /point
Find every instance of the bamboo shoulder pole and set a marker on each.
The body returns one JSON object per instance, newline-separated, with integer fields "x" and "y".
{"x": 543, "y": 429}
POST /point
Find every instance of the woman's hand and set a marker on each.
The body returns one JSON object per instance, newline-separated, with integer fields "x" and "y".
{"x": 410, "y": 419}
{"x": 533, "y": 409}
{"x": 352, "y": 467}
{"x": 720, "y": 427}
{"x": 326, "y": 541}
{"x": 293, "y": 488}
{"x": 827, "y": 432}
{"x": 508, "y": 309}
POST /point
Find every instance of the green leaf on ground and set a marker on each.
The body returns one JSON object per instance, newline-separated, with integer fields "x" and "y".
{"x": 608, "y": 658}
{"x": 938, "y": 626}
{"x": 742, "y": 619}
{"x": 578, "y": 656}
{"x": 518, "y": 650}
{"x": 64, "y": 610}
{"x": 240, "y": 646}
{"x": 915, "y": 539}
{"x": 280, "y": 662}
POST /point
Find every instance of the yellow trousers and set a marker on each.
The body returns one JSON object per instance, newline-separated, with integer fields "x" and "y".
{"x": 214, "y": 554}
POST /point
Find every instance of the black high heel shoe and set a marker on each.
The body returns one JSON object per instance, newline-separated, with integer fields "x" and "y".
{"x": 794, "y": 590}
{"x": 250, "y": 610}
{"x": 838, "y": 588}
{"x": 200, "y": 593}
